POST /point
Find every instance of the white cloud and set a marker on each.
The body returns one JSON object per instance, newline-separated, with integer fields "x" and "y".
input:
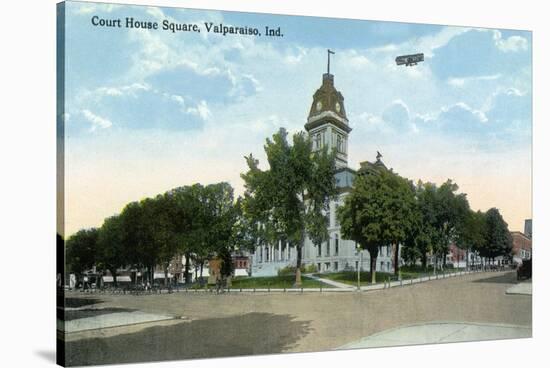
{"x": 459, "y": 106}
{"x": 295, "y": 56}
{"x": 88, "y": 8}
{"x": 200, "y": 110}
{"x": 512, "y": 43}
{"x": 97, "y": 121}
{"x": 462, "y": 82}
{"x": 124, "y": 90}
{"x": 480, "y": 115}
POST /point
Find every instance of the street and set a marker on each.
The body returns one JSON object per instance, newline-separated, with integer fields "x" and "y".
{"x": 210, "y": 325}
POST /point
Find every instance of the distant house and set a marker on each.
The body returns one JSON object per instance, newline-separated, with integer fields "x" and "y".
{"x": 521, "y": 246}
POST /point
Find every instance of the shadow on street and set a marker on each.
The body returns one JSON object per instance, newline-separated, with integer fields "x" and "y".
{"x": 81, "y": 302}
{"x": 247, "y": 334}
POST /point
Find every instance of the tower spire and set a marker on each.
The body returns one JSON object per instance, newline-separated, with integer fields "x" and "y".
{"x": 328, "y": 59}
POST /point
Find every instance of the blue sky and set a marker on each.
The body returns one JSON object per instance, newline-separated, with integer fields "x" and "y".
{"x": 150, "y": 110}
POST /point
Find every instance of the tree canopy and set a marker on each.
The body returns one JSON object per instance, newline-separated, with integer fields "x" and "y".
{"x": 379, "y": 211}
{"x": 291, "y": 198}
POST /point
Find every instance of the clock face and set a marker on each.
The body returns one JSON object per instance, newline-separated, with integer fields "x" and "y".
{"x": 337, "y": 107}
{"x": 319, "y": 105}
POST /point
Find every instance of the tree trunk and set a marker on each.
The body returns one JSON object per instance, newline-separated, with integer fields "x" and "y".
{"x": 373, "y": 269}
{"x": 424, "y": 261}
{"x": 165, "y": 275}
{"x": 186, "y": 274}
{"x": 298, "y": 282}
{"x": 396, "y": 259}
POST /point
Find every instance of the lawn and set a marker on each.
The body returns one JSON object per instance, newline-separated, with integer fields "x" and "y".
{"x": 407, "y": 272}
{"x": 275, "y": 282}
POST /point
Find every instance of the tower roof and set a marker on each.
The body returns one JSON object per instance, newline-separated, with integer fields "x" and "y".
{"x": 328, "y": 103}
{"x": 372, "y": 168}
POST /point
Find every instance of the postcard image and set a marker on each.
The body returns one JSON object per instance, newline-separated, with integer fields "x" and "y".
{"x": 233, "y": 184}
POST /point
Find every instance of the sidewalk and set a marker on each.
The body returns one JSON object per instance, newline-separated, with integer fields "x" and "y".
{"x": 440, "y": 332}
{"x": 386, "y": 285}
{"x": 524, "y": 288}
{"x": 336, "y": 284}
{"x": 109, "y": 320}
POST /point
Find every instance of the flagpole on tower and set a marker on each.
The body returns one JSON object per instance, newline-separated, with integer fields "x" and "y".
{"x": 328, "y": 62}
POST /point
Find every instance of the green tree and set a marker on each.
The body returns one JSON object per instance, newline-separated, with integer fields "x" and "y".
{"x": 82, "y": 251}
{"x": 378, "y": 211}
{"x": 291, "y": 198}
{"x": 448, "y": 209}
{"x": 221, "y": 217}
{"x": 137, "y": 237}
{"x": 424, "y": 234}
{"x": 112, "y": 253}
{"x": 473, "y": 233}
{"x": 188, "y": 216}
{"x": 499, "y": 239}
{"x": 204, "y": 220}
{"x": 160, "y": 225}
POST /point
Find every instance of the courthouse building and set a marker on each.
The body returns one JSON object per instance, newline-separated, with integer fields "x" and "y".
{"x": 327, "y": 125}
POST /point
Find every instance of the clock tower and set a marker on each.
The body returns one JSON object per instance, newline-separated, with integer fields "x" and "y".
{"x": 327, "y": 123}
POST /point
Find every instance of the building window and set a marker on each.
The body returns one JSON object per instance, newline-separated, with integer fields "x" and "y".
{"x": 336, "y": 244}
{"x": 345, "y": 145}
{"x": 318, "y": 267}
{"x": 319, "y": 250}
{"x": 335, "y": 266}
{"x": 328, "y": 248}
{"x": 339, "y": 143}
{"x": 318, "y": 141}
{"x": 327, "y": 266}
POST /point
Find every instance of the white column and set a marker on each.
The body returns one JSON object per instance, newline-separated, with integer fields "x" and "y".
{"x": 280, "y": 252}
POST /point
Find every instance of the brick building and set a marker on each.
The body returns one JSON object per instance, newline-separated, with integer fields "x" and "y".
{"x": 521, "y": 246}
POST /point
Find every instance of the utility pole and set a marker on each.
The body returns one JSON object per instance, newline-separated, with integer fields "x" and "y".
{"x": 359, "y": 267}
